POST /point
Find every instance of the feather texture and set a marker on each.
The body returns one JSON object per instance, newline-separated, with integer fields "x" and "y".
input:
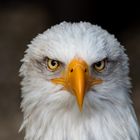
{"x": 51, "y": 113}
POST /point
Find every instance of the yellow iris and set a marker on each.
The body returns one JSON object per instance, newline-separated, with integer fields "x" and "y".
{"x": 53, "y": 65}
{"x": 100, "y": 66}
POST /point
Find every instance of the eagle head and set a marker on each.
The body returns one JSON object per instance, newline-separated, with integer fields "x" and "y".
{"x": 75, "y": 86}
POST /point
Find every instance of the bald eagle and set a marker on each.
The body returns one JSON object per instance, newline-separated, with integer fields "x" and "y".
{"x": 76, "y": 86}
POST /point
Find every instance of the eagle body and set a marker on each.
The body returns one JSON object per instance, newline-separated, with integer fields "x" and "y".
{"x": 54, "y": 109}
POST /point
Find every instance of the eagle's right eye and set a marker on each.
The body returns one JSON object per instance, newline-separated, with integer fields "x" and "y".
{"x": 53, "y": 65}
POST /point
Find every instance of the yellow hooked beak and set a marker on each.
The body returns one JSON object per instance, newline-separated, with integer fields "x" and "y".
{"x": 77, "y": 80}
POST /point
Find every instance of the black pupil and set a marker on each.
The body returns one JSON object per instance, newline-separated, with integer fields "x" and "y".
{"x": 98, "y": 64}
{"x": 53, "y": 62}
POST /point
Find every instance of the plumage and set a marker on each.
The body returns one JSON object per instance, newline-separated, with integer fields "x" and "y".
{"x": 52, "y": 106}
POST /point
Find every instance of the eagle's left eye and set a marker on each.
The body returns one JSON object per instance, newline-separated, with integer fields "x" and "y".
{"x": 53, "y": 65}
{"x": 100, "y": 66}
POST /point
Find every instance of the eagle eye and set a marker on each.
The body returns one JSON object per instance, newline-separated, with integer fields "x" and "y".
{"x": 100, "y": 66}
{"x": 53, "y": 65}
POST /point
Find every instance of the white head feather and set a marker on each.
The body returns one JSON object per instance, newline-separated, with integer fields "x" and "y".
{"x": 51, "y": 113}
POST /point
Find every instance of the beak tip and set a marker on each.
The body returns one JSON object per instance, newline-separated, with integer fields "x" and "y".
{"x": 81, "y": 109}
{"x": 80, "y": 105}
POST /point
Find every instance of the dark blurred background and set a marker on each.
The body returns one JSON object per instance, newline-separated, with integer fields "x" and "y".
{"x": 20, "y": 21}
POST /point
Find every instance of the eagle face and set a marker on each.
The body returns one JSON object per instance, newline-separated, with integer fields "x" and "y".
{"x": 75, "y": 86}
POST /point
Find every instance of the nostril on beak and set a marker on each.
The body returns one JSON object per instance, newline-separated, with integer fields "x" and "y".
{"x": 71, "y": 70}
